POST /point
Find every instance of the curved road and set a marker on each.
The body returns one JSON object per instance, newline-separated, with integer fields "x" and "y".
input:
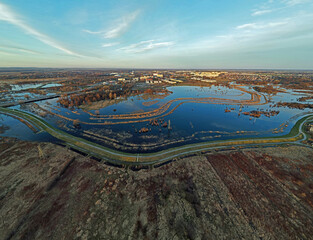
{"x": 118, "y": 157}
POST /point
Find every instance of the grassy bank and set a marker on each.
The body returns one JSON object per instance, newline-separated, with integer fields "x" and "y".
{"x": 115, "y": 156}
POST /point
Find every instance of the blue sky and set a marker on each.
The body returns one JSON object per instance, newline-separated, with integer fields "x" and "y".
{"x": 157, "y": 33}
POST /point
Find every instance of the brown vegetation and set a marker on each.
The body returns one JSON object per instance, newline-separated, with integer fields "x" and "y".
{"x": 89, "y": 97}
{"x": 269, "y": 89}
{"x": 247, "y": 194}
{"x": 144, "y": 130}
{"x": 76, "y": 123}
{"x": 257, "y": 114}
{"x": 294, "y": 105}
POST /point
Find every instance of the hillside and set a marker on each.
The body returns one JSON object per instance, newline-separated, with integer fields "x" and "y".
{"x": 54, "y": 193}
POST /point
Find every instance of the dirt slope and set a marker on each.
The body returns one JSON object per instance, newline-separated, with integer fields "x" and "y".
{"x": 248, "y": 194}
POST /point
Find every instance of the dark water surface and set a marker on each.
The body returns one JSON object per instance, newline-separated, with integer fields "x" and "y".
{"x": 190, "y": 123}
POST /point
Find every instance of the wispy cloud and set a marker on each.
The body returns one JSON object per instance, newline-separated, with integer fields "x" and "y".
{"x": 256, "y": 36}
{"x": 92, "y": 32}
{"x": 274, "y": 6}
{"x": 120, "y": 27}
{"x": 105, "y": 45}
{"x": 261, "y": 12}
{"x": 7, "y": 15}
{"x": 19, "y": 49}
{"x": 248, "y": 26}
{"x": 145, "y": 46}
{"x": 295, "y": 2}
{"x": 137, "y": 45}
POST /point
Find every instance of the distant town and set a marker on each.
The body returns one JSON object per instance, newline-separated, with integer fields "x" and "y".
{"x": 126, "y": 136}
{"x": 157, "y": 77}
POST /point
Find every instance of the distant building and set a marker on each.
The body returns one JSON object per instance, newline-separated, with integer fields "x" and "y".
{"x": 169, "y": 81}
{"x": 153, "y": 81}
{"x": 197, "y": 78}
{"x": 208, "y": 81}
{"x": 176, "y": 80}
{"x": 207, "y": 74}
{"x": 112, "y": 82}
{"x": 145, "y": 77}
{"x": 159, "y": 75}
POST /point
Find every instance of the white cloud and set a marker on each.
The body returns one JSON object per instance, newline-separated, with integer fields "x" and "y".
{"x": 92, "y": 32}
{"x": 256, "y": 36}
{"x": 136, "y": 45}
{"x": 271, "y": 6}
{"x": 7, "y": 15}
{"x": 261, "y": 12}
{"x": 120, "y": 27}
{"x": 145, "y": 46}
{"x": 249, "y": 26}
{"x": 110, "y": 44}
{"x": 295, "y": 2}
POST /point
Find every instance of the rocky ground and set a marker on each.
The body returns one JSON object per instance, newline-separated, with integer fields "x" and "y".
{"x": 49, "y": 192}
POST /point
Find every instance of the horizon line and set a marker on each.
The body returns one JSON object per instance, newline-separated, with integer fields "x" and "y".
{"x": 163, "y": 69}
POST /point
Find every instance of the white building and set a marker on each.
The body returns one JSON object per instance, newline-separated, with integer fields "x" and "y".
{"x": 169, "y": 81}
{"x": 159, "y": 75}
{"x": 145, "y": 77}
{"x": 208, "y": 81}
{"x": 153, "y": 81}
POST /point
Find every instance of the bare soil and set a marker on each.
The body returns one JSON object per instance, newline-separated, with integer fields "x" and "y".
{"x": 240, "y": 194}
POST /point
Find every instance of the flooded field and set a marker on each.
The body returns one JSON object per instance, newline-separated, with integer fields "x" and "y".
{"x": 175, "y": 116}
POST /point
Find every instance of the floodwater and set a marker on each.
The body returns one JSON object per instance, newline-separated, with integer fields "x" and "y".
{"x": 190, "y": 122}
{"x": 19, "y": 87}
{"x": 11, "y": 127}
